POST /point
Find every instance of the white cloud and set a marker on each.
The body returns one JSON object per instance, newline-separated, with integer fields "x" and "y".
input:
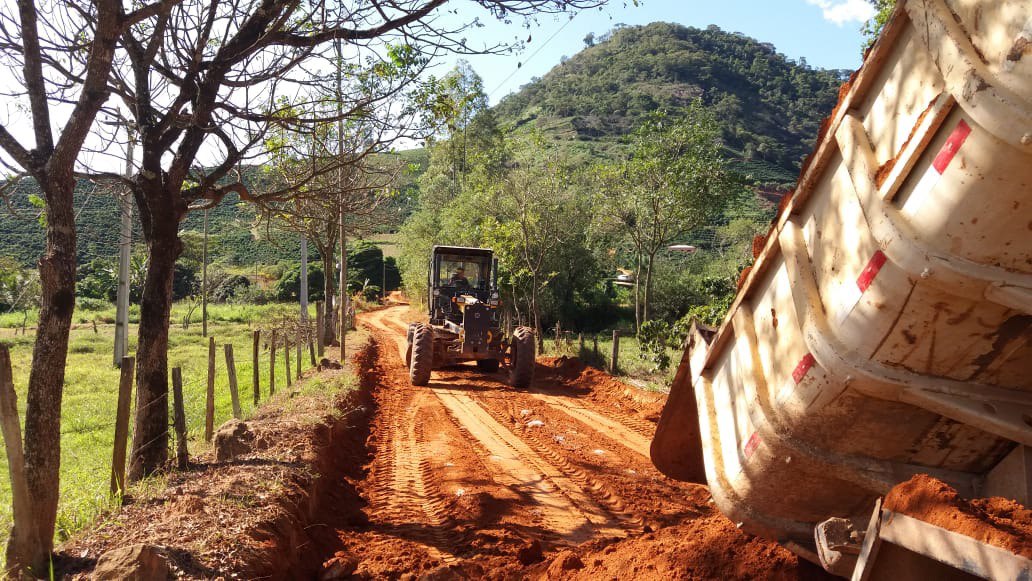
{"x": 843, "y": 11}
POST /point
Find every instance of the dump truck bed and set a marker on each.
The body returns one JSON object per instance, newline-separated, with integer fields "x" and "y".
{"x": 886, "y": 327}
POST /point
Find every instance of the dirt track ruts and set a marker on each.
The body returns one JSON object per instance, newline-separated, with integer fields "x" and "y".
{"x": 476, "y": 477}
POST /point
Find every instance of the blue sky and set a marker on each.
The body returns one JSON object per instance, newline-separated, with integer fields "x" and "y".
{"x": 825, "y": 32}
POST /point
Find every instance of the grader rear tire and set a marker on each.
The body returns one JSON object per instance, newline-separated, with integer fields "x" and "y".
{"x": 422, "y": 360}
{"x": 522, "y": 370}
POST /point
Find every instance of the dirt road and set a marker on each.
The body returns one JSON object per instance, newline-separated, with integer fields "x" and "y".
{"x": 470, "y": 477}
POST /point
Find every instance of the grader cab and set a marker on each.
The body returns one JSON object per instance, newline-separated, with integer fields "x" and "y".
{"x": 463, "y": 320}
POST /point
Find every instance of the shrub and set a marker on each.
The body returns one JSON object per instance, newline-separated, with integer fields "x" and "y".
{"x": 653, "y": 337}
{"x": 370, "y": 293}
{"x": 91, "y": 304}
{"x": 229, "y": 287}
{"x": 288, "y": 287}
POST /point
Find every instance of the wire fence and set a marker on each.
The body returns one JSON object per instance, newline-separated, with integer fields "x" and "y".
{"x": 89, "y": 425}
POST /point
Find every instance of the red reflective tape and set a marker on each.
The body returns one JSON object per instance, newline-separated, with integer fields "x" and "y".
{"x": 804, "y": 366}
{"x": 952, "y": 146}
{"x": 874, "y": 265}
{"x": 752, "y": 444}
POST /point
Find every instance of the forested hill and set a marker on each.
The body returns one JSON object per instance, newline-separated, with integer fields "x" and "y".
{"x": 770, "y": 107}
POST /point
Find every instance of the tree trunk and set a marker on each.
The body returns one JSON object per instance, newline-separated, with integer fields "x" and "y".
{"x": 150, "y": 439}
{"x": 329, "y": 330}
{"x": 637, "y": 294}
{"x": 536, "y": 314}
{"x": 46, "y": 380}
{"x": 648, "y": 288}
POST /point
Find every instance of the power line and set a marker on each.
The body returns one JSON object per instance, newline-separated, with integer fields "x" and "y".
{"x": 518, "y": 67}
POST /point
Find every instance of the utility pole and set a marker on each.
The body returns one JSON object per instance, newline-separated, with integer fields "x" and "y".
{"x": 204, "y": 279}
{"x": 125, "y": 239}
{"x": 304, "y": 278}
{"x": 340, "y": 216}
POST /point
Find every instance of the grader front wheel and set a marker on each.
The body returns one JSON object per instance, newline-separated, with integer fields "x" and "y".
{"x": 422, "y": 358}
{"x": 521, "y": 372}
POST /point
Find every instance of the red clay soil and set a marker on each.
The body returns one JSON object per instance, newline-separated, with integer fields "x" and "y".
{"x": 598, "y": 386}
{"x": 460, "y": 515}
{"x": 996, "y": 521}
{"x": 704, "y": 548}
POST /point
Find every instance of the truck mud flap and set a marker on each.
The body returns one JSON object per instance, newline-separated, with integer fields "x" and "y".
{"x": 676, "y": 449}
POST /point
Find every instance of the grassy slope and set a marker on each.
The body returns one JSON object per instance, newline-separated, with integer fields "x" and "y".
{"x": 90, "y": 397}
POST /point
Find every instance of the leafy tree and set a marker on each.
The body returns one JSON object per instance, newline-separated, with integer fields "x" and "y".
{"x": 674, "y": 181}
{"x": 537, "y": 213}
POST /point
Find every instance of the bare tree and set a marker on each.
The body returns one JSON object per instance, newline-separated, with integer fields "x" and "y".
{"x": 62, "y": 59}
{"x": 313, "y": 189}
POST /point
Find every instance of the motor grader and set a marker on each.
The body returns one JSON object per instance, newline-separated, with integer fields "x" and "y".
{"x": 463, "y": 324}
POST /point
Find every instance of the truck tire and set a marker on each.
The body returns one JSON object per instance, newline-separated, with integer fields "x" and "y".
{"x": 487, "y": 365}
{"x": 422, "y": 355}
{"x": 522, "y": 370}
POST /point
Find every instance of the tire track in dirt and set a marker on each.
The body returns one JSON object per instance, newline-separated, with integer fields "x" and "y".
{"x": 560, "y": 501}
{"x": 563, "y": 505}
{"x": 596, "y": 487}
{"x": 404, "y": 499}
{"x": 632, "y": 439}
{"x": 632, "y": 433}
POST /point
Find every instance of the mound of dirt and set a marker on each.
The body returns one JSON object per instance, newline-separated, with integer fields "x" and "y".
{"x": 709, "y": 547}
{"x": 996, "y": 521}
{"x": 601, "y": 387}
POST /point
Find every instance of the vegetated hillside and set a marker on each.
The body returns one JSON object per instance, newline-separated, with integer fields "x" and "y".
{"x": 770, "y": 107}
{"x": 97, "y": 220}
{"x": 233, "y": 237}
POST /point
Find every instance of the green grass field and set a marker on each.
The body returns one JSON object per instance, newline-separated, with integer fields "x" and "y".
{"x": 91, "y": 387}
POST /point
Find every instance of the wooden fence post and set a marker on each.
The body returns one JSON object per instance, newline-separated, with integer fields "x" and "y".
{"x": 594, "y": 342}
{"x": 179, "y": 419}
{"x": 125, "y": 394}
{"x": 286, "y": 358}
{"x": 254, "y": 366}
{"x": 209, "y": 408}
{"x": 11, "y": 426}
{"x": 580, "y": 345}
{"x": 319, "y": 327}
{"x": 614, "y": 364}
{"x": 300, "y": 346}
{"x": 272, "y": 363}
{"x": 234, "y": 396}
{"x": 311, "y": 350}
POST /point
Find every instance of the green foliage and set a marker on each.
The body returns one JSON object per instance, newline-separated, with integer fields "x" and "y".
{"x": 873, "y": 27}
{"x": 19, "y": 287}
{"x": 675, "y": 180}
{"x": 185, "y": 282}
{"x": 98, "y": 279}
{"x": 229, "y": 287}
{"x": 370, "y": 293}
{"x": 653, "y": 338}
{"x": 288, "y": 287}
